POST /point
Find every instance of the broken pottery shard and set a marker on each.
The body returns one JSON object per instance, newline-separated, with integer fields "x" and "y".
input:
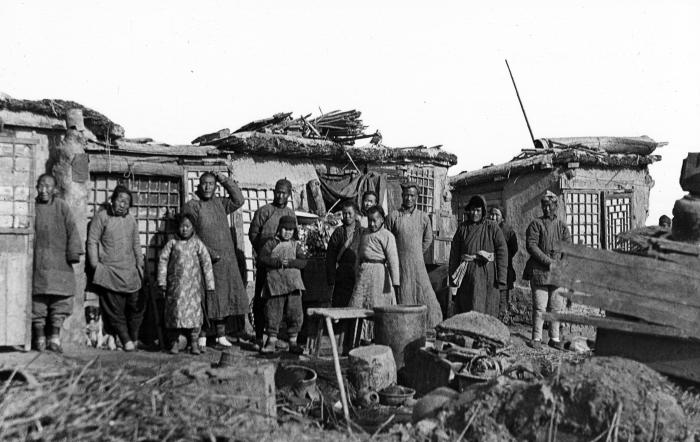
{"x": 476, "y": 325}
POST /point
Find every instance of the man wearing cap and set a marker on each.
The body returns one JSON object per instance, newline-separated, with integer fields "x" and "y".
{"x": 543, "y": 237}
{"x": 210, "y": 214}
{"x": 414, "y": 234}
{"x": 262, "y": 228}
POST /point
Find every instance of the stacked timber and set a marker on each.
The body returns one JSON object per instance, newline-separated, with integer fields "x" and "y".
{"x": 343, "y": 127}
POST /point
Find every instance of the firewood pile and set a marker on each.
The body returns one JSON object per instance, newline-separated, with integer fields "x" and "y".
{"x": 342, "y": 127}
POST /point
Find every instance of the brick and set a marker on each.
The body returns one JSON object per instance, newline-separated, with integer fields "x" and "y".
{"x": 6, "y": 165}
{"x": 22, "y": 164}
{"x": 21, "y": 222}
{"x": 21, "y": 208}
{"x": 6, "y": 150}
{"x": 6, "y": 193}
{"x": 22, "y": 193}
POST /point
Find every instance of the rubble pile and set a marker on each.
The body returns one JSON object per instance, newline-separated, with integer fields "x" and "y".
{"x": 600, "y": 397}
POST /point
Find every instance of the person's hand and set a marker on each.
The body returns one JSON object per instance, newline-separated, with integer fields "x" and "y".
{"x": 72, "y": 258}
{"x": 221, "y": 177}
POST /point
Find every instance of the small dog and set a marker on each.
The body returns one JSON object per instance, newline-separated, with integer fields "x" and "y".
{"x": 94, "y": 335}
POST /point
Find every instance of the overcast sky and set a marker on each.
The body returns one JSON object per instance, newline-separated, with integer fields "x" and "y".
{"x": 421, "y": 72}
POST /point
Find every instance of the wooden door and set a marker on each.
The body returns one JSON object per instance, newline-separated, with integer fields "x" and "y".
{"x": 17, "y": 170}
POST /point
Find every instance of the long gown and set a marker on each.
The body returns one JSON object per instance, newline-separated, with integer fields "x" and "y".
{"x": 479, "y": 290}
{"x": 211, "y": 225}
{"x": 414, "y": 234}
{"x": 341, "y": 270}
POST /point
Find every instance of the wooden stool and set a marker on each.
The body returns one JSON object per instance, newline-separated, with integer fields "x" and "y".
{"x": 331, "y": 315}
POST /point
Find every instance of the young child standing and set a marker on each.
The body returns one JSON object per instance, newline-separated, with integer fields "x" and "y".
{"x": 57, "y": 246}
{"x": 283, "y": 258}
{"x": 184, "y": 272}
{"x": 377, "y": 282}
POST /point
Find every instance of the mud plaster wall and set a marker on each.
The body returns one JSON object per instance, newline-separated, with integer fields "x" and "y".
{"x": 520, "y": 198}
{"x": 74, "y": 326}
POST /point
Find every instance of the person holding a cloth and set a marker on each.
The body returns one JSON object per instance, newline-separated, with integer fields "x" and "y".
{"x": 478, "y": 261}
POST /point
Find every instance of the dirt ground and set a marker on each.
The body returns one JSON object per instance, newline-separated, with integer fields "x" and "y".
{"x": 503, "y": 402}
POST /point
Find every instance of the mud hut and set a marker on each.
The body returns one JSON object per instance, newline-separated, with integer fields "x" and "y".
{"x": 163, "y": 177}
{"x": 603, "y": 185}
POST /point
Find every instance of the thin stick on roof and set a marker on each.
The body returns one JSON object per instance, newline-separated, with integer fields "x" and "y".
{"x": 353, "y": 162}
{"x": 521, "y": 105}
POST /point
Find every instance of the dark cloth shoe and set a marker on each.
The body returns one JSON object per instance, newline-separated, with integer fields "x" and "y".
{"x": 194, "y": 348}
{"x": 269, "y": 347}
{"x": 557, "y": 345}
{"x": 40, "y": 344}
{"x": 537, "y": 345}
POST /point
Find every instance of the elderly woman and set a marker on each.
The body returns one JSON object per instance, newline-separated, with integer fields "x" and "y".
{"x": 114, "y": 255}
{"x": 210, "y": 215}
{"x": 479, "y": 243}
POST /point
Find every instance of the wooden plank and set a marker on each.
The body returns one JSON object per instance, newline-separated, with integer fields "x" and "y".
{"x": 616, "y": 324}
{"x": 340, "y": 312}
{"x": 671, "y": 356}
{"x": 653, "y": 311}
{"x": 116, "y": 164}
{"x": 14, "y": 140}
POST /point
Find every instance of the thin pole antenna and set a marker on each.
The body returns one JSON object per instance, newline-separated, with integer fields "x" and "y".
{"x": 521, "y": 104}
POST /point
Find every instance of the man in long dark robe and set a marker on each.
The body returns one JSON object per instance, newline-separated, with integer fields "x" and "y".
{"x": 478, "y": 239}
{"x": 210, "y": 214}
{"x": 263, "y": 227}
{"x": 414, "y": 234}
{"x": 496, "y": 215}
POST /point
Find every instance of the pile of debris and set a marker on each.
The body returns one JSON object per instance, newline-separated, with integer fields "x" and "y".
{"x": 342, "y": 127}
{"x": 599, "y": 399}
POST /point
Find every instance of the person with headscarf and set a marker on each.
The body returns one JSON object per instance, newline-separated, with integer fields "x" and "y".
{"x": 543, "y": 237}
{"x": 414, "y": 235}
{"x": 497, "y": 215}
{"x": 480, "y": 248}
{"x": 369, "y": 199}
{"x": 263, "y": 227}
{"x": 229, "y": 300}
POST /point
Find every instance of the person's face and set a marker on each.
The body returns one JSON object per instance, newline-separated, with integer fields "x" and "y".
{"x": 665, "y": 223}
{"x": 348, "y": 216}
{"x": 281, "y": 197}
{"x": 207, "y": 187}
{"x": 548, "y": 208}
{"x": 375, "y": 222}
{"x": 45, "y": 189}
{"x": 496, "y": 215}
{"x": 410, "y": 197}
{"x": 286, "y": 234}
{"x": 185, "y": 229}
{"x": 368, "y": 201}
{"x": 475, "y": 213}
{"x": 120, "y": 205}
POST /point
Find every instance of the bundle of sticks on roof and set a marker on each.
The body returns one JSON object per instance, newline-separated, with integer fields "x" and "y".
{"x": 340, "y": 126}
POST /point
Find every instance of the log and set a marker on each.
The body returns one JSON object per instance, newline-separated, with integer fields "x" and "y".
{"x": 656, "y": 291}
{"x": 206, "y": 138}
{"x": 638, "y": 145}
{"x": 372, "y": 367}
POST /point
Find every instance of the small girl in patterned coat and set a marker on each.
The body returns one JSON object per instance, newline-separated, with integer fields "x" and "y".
{"x": 184, "y": 273}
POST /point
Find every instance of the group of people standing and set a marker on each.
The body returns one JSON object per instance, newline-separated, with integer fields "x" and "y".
{"x": 377, "y": 260}
{"x": 372, "y": 260}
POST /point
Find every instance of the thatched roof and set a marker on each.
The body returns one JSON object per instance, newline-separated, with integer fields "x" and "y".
{"x": 264, "y": 144}
{"x": 55, "y": 111}
{"x": 539, "y": 159}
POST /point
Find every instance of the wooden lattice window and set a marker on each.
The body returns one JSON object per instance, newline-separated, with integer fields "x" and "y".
{"x": 156, "y": 201}
{"x": 425, "y": 178}
{"x": 618, "y": 219}
{"x": 583, "y": 217}
{"x": 254, "y": 199}
{"x": 16, "y": 206}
